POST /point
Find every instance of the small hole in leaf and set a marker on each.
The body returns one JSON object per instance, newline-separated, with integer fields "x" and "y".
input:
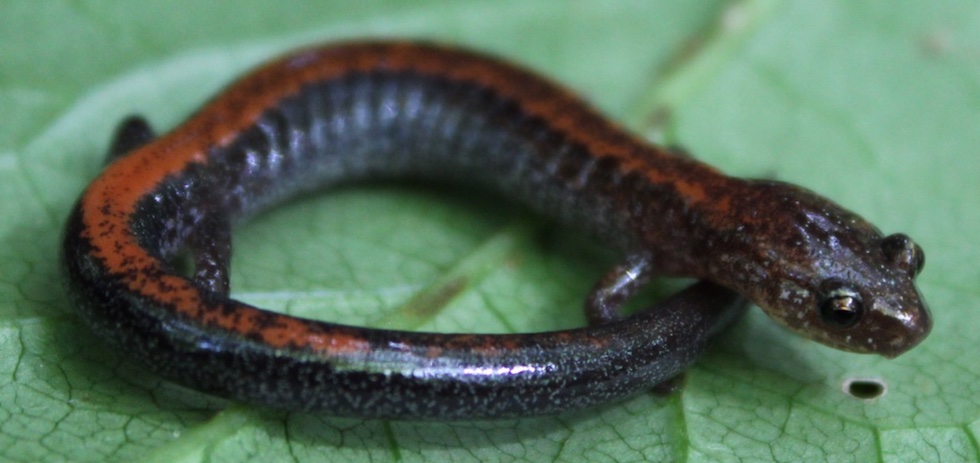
{"x": 865, "y": 388}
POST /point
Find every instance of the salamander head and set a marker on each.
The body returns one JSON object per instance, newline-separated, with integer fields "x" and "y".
{"x": 832, "y": 276}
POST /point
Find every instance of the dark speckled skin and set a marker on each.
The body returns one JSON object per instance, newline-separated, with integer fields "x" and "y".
{"x": 359, "y": 111}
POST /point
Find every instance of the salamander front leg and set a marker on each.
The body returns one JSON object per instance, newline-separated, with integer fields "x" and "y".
{"x": 613, "y": 290}
{"x": 616, "y": 287}
{"x": 622, "y": 282}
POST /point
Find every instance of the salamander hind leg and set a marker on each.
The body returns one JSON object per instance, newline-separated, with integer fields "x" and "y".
{"x": 210, "y": 246}
{"x": 616, "y": 287}
{"x": 133, "y": 132}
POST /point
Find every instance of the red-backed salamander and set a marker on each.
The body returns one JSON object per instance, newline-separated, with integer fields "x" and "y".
{"x": 363, "y": 111}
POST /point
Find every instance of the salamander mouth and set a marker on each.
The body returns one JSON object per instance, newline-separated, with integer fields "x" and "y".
{"x": 887, "y": 336}
{"x": 911, "y": 337}
{"x": 892, "y": 335}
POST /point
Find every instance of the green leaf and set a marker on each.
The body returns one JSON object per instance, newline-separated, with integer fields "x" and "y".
{"x": 875, "y": 104}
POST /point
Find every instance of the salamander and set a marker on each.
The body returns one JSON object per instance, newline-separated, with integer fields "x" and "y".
{"x": 367, "y": 111}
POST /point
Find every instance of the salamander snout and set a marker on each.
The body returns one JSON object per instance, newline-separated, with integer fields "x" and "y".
{"x": 899, "y": 334}
{"x": 878, "y": 310}
{"x": 828, "y": 274}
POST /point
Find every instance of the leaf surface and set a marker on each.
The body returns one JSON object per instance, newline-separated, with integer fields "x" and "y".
{"x": 874, "y": 104}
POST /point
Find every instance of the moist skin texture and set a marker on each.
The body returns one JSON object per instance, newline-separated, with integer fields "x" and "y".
{"x": 363, "y": 111}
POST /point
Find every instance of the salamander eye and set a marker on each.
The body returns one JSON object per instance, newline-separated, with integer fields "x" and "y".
{"x": 902, "y": 252}
{"x": 841, "y": 307}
